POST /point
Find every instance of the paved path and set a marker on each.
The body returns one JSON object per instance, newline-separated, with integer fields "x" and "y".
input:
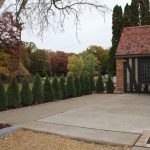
{"x": 117, "y": 119}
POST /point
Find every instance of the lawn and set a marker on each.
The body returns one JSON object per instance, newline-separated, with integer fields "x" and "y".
{"x": 28, "y": 140}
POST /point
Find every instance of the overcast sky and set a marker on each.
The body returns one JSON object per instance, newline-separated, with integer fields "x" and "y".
{"x": 94, "y": 30}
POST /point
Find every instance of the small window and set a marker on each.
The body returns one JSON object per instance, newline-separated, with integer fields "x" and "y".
{"x": 144, "y": 70}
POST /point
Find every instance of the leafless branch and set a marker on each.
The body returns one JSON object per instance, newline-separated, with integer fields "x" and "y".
{"x": 40, "y": 14}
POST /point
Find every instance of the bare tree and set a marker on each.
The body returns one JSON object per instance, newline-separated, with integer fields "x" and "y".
{"x": 45, "y": 13}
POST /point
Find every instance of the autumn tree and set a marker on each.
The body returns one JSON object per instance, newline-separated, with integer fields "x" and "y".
{"x": 59, "y": 61}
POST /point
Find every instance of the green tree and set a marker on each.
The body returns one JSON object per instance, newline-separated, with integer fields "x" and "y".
{"x": 39, "y": 59}
{"x": 63, "y": 87}
{"x": 77, "y": 86}
{"x": 89, "y": 64}
{"x": 127, "y": 16}
{"x": 71, "y": 87}
{"x": 26, "y": 94}
{"x": 117, "y": 25}
{"x": 135, "y": 20}
{"x": 145, "y": 12}
{"x": 58, "y": 95}
{"x": 37, "y": 90}
{"x": 75, "y": 65}
{"x": 87, "y": 85}
{"x": 110, "y": 85}
{"x": 3, "y": 102}
{"x": 102, "y": 56}
{"x": 100, "y": 85}
{"x": 84, "y": 63}
{"x": 13, "y": 94}
{"x": 47, "y": 90}
{"x": 93, "y": 86}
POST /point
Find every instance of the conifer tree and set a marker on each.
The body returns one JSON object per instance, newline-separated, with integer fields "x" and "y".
{"x": 37, "y": 90}
{"x": 3, "y": 102}
{"x": 77, "y": 86}
{"x": 82, "y": 85}
{"x": 47, "y": 90}
{"x": 71, "y": 87}
{"x": 135, "y": 20}
{"x": 58, "y": 95}
{"x": 63, "y": 87}
{"x": 13, "y": 94}
{"x": 26, "y": 95}
{"x": 145, "y": 12}
{"x": 87, "y": 85}
{"x": 100, "y": 85}
{"x": 117, "y": 27}
{"x": 110, "y": 85}
{"x": 127, "y": 16}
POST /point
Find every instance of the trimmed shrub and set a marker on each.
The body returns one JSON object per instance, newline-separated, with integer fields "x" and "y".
{"x": 77, "y": 86}
{"x": 100, "y": 85}
{"x": 13, "y": 94}
{"x": 3, "y": 102}
{"x": 87, "y": 85}
{"x": 58, "y": 95}
{"x": 93, "y": 86}
{"x": 110, "y": 85}
{"x": 37, "y": 90}
{"x": 47, "y": 90}
{"x": 63, "y": 87}
{"x": 71, "y": 87}
{"x": 26, "y": 94}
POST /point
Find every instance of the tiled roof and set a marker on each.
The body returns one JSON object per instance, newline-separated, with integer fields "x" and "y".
{"x": 134, "y": 41}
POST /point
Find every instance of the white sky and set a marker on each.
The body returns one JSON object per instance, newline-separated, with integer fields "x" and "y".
{"x": 94, "y": 30}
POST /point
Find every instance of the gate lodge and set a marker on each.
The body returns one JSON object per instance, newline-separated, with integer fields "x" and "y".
{"x": 133, "y": 60}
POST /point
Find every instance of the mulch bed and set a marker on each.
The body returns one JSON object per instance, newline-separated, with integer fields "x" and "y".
{"x": 4, "y": 126}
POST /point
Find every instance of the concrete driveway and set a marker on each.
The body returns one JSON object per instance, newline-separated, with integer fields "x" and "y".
{"x": 117, "y": 119}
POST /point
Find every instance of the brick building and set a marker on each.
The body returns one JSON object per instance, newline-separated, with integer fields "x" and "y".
{"x": 133, "y": 60}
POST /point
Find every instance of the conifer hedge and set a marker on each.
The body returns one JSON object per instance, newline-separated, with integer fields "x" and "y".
{"x": 63, "y": 87}
{"x": 87, "y": 88}
{"x": 100, "y": 88}
{"x": 13, "y": 94}
{"x": 37, "y": 90}
{"x": 26, "y": 94}
{"x": 58, "y": 95}
{"x": 77, "y": 86}
{"x": 71, "y": 87}
{"x": 3, "y": 102}
{"x": 110, "y": 85}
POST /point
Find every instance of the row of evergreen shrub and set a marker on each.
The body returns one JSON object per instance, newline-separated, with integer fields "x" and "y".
{"x": 49, "y": 91}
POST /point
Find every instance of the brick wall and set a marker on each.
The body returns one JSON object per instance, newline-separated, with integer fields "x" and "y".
{"x": 119, "y": 76}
